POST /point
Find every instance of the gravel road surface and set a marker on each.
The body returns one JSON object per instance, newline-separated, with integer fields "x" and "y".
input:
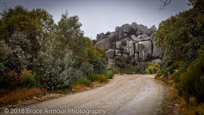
{"x": 124, "y": 95}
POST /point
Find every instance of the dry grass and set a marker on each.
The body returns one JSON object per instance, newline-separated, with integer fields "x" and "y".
{"x": 82, "y": 86}
{"x": 4, "y": 92}
{"x": 64, "y": 91}
{"x": 171, "y": 76}
{"x": 194, "y": 110}
{"x": 95, "y": 83}
{"x": 161, "y": 79}
{"x": 79, "y": 86}
{"x": 19, "y": 95}
{"x": 172, "y": 97}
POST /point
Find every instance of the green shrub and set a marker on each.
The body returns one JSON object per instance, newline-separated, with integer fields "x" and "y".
{"x": 174, "y": 66}
{"x": 11, "y": 80}
{"x": 180, "y": 36}
{"x": 12, "y": 61}
{"x": 109, "y": 74}
{"x": 82, "y": 80}
{"x": 158, "y": 74}
{"x": 181, "y": 69}
{"x": 87, "y": 69}
{"x": 27, "y": 80}
{"x": 115, "y": 71}
{"x": 100, "y": 66}
{"x": 142, "y": 67}
{"x": 153, "y": 68}
{"x": 55, "y": 68}
{"x": 127, "y": 69}
{"x": 135, "y": 69}
{"x": 192, "y": 81}
{"x": 98, "y": 77}
{"x": 176, "y": 77}
{"x": 164, "y": 71}
{"x": 125, "y": 64}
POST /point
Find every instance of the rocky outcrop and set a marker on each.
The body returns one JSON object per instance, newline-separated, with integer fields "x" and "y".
{"x": 110, "y": 53}
{"x": 130, "y": 40}
{"x": 104, "y": 44}
{"x": 145, "y": 50}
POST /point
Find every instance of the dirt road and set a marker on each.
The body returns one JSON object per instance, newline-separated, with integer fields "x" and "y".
{"x": 124, "y": 95}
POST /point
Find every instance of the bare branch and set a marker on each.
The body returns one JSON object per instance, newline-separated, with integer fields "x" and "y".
{"x": 165, "y": 3}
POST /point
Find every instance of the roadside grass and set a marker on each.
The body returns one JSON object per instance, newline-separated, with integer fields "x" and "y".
{"x": 98, "y": 77}
{"x": 82, "y": 81}
{"x": 194, "y": 110}
{"x": 79, "y": 87}
{"x": 64, "y": 91}
{"x": 90, "y": 81}
{"x": 172, "y": 98}
{"x": 4, "y": 92}
{"x": 12, "y": 97}
{"x": 94, "y": 83}
{"x": 19, "y": 95}
{"x": 110, "y": 73}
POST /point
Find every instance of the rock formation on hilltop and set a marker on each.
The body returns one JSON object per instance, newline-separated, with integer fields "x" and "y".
{"x": 130, "y": 40}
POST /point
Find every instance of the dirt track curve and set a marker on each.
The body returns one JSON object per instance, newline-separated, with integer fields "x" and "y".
{"x": 124, "y": 95}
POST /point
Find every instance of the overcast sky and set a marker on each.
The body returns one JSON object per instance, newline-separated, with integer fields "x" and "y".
{"x": 99, "y": 16}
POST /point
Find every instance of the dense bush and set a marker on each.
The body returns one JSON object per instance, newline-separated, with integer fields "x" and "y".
{"x": 27, "y": 80}
{"x": 55, "y": 69}
{"x": 110, "y": 73}
{"x": 175, "y": 66}
{"x": 125, "y": 64}
{"x": 21, "y": 34}
{"x": 176, "y": 77}
{"x": 180, "y": 69}
{"x": 100, "y": 66}
{"x": 164, "y": 71}
{"x": 158, "y": 74}
{"x": 84, "y": 53}
{"x": 68, "y": 57}
{"x": 11, "y": 80}
{"x": 192, "y": 81}
{"x": 115, "y": 71}
{"x": 181, "y": 36}
{"x": 128, "y": 69}
{"x": 82, "y": 80}
{"x": 142, "y": 67}
{"x": 87, "y": 69}
{"x": 98, "y": 77}
{"x": 13, "y": 59}
{"x": 129, "y": 66}
{"x": 35, "y": 25}
{"x": 58, "y": 54}
{"x": 153, "y": 68}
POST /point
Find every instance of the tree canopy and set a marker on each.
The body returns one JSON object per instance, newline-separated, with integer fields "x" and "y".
{"x": 182, "y": 35}
{"x": 58, "y": 54}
